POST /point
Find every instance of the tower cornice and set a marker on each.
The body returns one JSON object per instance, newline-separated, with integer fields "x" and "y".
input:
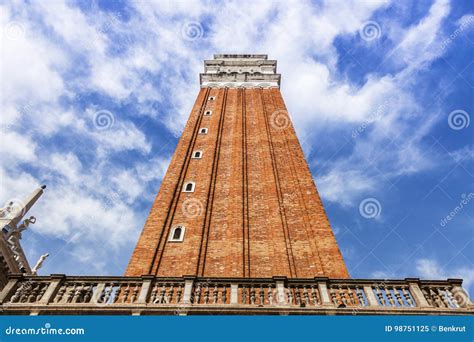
{"x": 240, "y": 70}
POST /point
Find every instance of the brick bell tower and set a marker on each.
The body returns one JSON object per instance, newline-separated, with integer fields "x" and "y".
{"x": 238, "y": 199}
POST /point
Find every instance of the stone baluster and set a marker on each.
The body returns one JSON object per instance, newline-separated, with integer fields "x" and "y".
{"x": 197, "y": 294}
{"x": 261, "y": 294}
{"x": 342, "y": 296}
{"x": 314, "y": 296}
{"x": 252, "y": 294}
{"x": 224, "y": 295}
{"x": 244, "y": 295}
{"x": 18, "y": 293}
{"x": 77, "y": 293}
{"x": 332, "y": 291}
{"x": 350, "y": 296}
{"x": 28, "y": 292}
{"x": 398, "y": 297}
{"x": 215, "y": 294}
{"x": 169, "y": 293}
{"x": 88, "y": 293}
{"x": 134, "y": 294}
{"x": 388, "y": 293}
{"x": 108, "y": 293}
{"x": 290, "y": 295}
{"x": 154, "y": 294}
{"x": 305, "y": 296}
{"x": 427, "y": 296}
{"x": 436, "y": 299}
{"x": 450, "y": 297}
{"x": 161, "y": 294}
{"x": 270, "y": 294}
{"x": 60, "y": 295}
{"x": 124, "y": 295}
{"x": 82, "y": 290}
{"x": 444, "y": 296}
{"x": 360, "y": 297}
{"x": 297, "y": 295}
{"x": 179, "y": 292}
{"x": 380, "y": 297}
{"x": 98, "y": 292}
{"x": 70, "y": 294}
{"x": 33, "y": 293}
{"x": 406, "y": 296}
{"x": 206, "y": 294}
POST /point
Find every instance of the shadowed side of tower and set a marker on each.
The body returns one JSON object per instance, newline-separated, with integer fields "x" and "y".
{"x": 238, "y": 199}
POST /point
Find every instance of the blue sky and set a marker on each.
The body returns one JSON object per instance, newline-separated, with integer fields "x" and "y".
{"x": 95, "y": 94}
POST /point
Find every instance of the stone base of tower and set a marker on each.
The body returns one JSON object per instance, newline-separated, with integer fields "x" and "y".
{"x": 149, "y": 295}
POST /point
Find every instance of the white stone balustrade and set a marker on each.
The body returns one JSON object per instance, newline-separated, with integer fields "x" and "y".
{"x": 62, "y": 294}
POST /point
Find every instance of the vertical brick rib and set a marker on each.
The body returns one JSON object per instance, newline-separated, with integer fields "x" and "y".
{"x": 305, "y": 215}
{"x": 158, "y": 255}
{"x": 200, "y": 267}
{"x": 329, "y": 258}
{"x": 245, "y": 194}
{"x": 289, "y": 251}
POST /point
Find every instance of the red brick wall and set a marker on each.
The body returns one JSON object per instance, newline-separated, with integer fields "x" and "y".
{"x": 255, "y": 211}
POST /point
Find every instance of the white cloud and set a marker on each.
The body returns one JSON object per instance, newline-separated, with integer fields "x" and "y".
{"x": 29, "y": 64}
{"x": 421, "y": 43}
{"x": 340, "y": 186}
{"x": 15, "y": 147}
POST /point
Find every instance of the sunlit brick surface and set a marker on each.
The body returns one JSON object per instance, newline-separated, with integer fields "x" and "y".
{"x": 255, "y": 211}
